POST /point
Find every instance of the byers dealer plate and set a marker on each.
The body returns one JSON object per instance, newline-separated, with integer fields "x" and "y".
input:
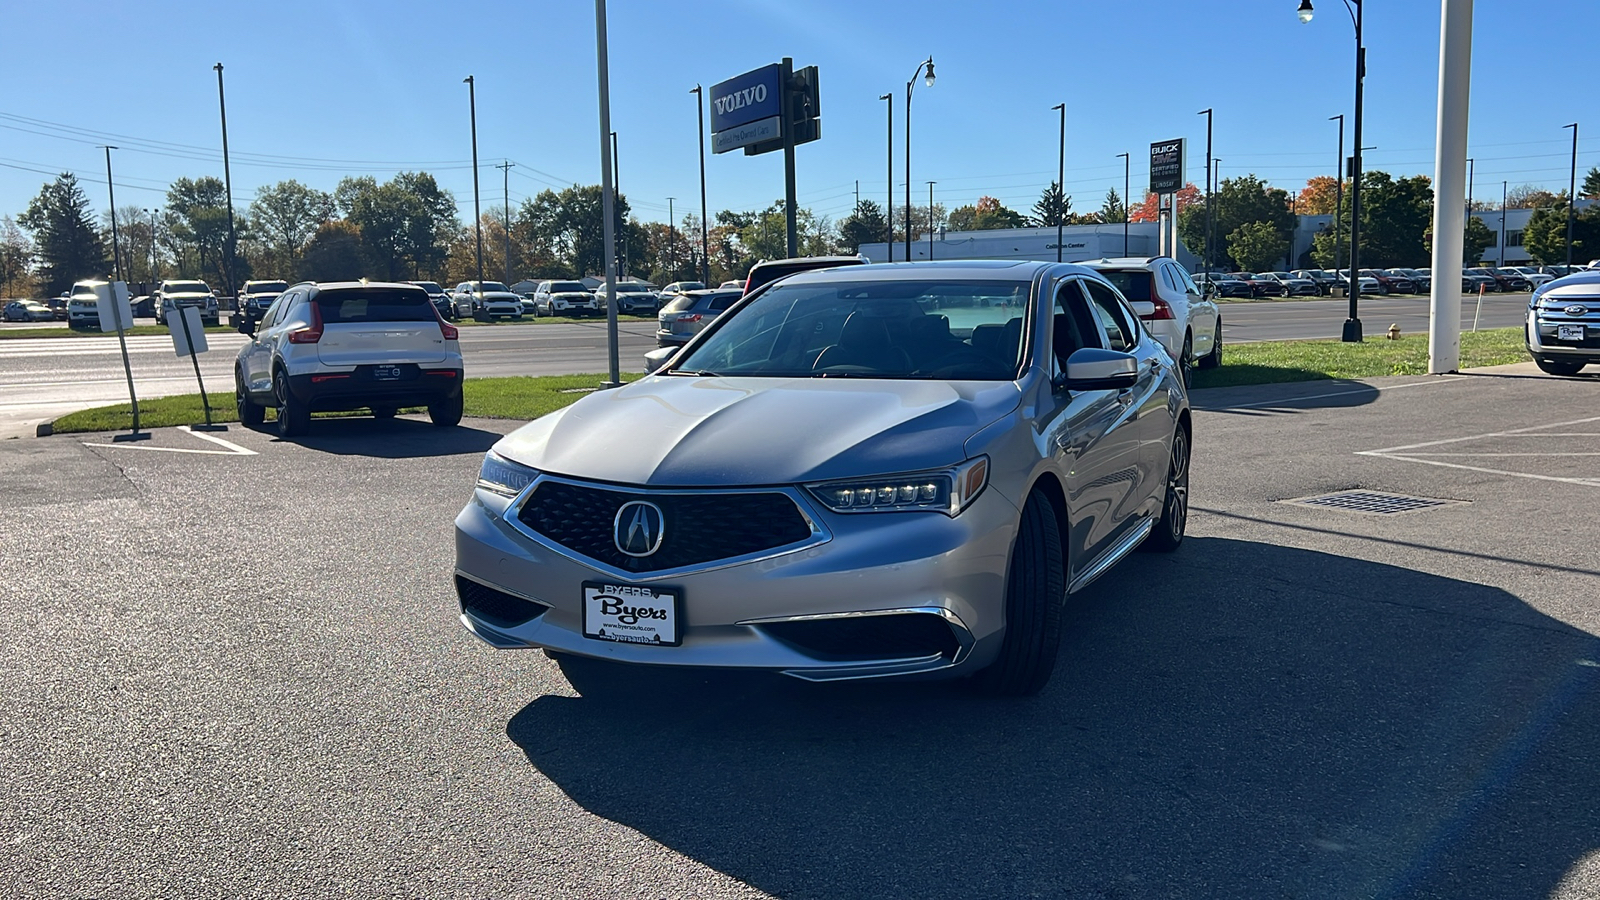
{"x": 630, "y": 614}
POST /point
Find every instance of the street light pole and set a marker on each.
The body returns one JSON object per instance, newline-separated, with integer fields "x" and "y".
{"x": 1503, "y": 222}
{"x": 477, "y": 208}
{"x": 607, "y": 194}
{"x": 1061, "y": 183}
{"x": 888, "y": 211}
{"x": 1127, "y": 163}
{"x": 227, "y": 183}
{"x": 910, "y": 85}
{"x": 152, "y": 273}
{"x": 1471, "y": 174}
{"x": 1572, "y": 197}
{"x": 1207, "y": 114}
{"x": 1352, "y": 325}
{"x": 672, "y": 243}
{"x": 116, "y": 253}
{"x": 930, "y": 218}
{"x": 1338, "y": 198}
{"x": 705, "y": 244}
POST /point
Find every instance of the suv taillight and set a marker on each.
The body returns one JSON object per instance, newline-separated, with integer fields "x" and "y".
{"x": 446, "y": 330}
{"x": 311, "y": 333}
{"x": 1163, "y": 310}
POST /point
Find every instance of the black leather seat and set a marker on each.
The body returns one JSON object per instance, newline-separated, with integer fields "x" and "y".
{"x": 864, "y": 343}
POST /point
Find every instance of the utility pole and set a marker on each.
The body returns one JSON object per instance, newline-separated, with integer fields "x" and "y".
{"x": 1503, "y": 222}
{"x": 1127, "y": 163}
{"x": 607, "y": 195}
{"x": 705, "y": 243}
{"x": 1207, "y": 113}
{"x": 1572, "y": 190}
{"x": 791, "y": 236}
{"x": 505, "y": 188}
{"x": 888, "y": 209}
{"x": 1338, "y": 198}
{"x": 1471, "y": 174}
{"x": 116, "y": 253}
{"x": 672, "y": 242}
{"x": 477, "y": 208}
{"x": 1061, "y": 185}
{"x": 930, "y": 218}
{"x": 227, "y": 183}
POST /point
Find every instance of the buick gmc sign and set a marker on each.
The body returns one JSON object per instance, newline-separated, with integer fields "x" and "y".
{"x": 1166, "y": 166}
{"x": 745, "y": 109}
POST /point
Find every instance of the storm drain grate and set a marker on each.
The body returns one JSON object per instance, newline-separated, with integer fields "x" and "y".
{"x": 1376, "y": 503}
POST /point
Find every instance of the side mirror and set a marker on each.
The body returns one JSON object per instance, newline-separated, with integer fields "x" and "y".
{"x": 1093, "y": 369}
{"x": 247, "y": 325}
{"x": 1210, "y": 289}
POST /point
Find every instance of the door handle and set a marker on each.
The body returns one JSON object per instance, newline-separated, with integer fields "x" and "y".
{"x": 1154, "y": 362}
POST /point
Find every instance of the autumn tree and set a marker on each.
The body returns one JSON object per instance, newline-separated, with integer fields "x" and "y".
{"x": 1148, "y": 210}
{"x": 1319, "y": 196}
{"x": 1527, "y": 196}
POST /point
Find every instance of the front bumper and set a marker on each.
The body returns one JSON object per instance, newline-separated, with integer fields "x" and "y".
{"x": 1540, "y": 335}
{"x": 863, "y": 565}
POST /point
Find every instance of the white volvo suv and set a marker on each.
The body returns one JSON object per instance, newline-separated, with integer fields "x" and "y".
{"x": 1172, "y": 307}
{"x": 345, "y": 346}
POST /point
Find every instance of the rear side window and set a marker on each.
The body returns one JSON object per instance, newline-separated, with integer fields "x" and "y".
{"x": 679, "y": 304}
{"x": 374, "y": 305}
{"x": 1113, "y": 322}
{"x": 720, "y": 302}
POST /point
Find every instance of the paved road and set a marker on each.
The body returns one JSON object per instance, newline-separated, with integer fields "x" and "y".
{"x": 1299, "y": 703}
{"x": 43, "y": 378}
{"x": 1294, "y": 320}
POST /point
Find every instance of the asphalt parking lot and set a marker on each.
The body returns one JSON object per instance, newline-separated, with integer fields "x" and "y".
{"x": 234, "y": 669}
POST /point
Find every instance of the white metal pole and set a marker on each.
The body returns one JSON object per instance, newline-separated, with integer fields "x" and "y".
{"x": 608, "y": 201}
{"x": 1449, "y": 184}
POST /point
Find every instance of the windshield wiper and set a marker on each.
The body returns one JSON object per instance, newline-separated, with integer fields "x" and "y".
{"x": 702, "y": 373}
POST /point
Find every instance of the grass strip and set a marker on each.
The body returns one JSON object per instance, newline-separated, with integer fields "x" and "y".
{"x": 490, "y": 398}
{"x": 1273, "y": 362}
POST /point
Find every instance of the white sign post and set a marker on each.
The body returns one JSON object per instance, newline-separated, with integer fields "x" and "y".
{"x": 115, "y": 313}
{"x": 189, "y": 339}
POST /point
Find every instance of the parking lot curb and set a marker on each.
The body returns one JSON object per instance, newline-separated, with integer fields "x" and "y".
{"x": 45, "y": 429}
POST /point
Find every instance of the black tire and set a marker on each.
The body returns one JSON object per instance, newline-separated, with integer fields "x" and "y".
{"x": 1283, "y": 292}
{"x": 1186, "y": 360}
{"x": 251, "y": 413}
{"x": 1558, "y": 366}
{"x": 1213, "y": 359}
{"x": 1168, "y": 533}
{"x": 384, "y": 412}
{"x": 447, "y": 412}
{"x": 1036, "y": 587}
{"x": 294, "y": 418}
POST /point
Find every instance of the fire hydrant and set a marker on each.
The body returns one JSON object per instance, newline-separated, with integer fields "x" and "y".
{"x": 1394, "y": 332}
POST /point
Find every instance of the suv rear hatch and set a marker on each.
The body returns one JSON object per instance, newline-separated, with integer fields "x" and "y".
{"x": 367, "y": 326}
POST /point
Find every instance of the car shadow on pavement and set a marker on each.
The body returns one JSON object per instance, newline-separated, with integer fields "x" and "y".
{"x": 1281, "y": 397}
{"x": 399, "y": 438}
{"x": 1239, "y": 719}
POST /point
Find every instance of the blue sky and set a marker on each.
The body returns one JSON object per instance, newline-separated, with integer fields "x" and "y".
{"x": 318, "y": 90}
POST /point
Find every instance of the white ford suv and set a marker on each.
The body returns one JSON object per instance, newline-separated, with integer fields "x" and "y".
{"x": 484, "y": 300}
{"x": 1171, "y": 306}
{"x": 344, "y": 346}
{"x": 83, "y": 307}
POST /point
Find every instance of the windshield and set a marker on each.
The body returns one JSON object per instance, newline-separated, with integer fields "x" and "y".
{"x": 429, "y": 286}
{"x": 485, "y": 287}
{"x": 567, "y": 287}
{"x": 690, "y": 286}
{"x": 632, "y": 289}
{"x": 954, "y": 330}
{"x": 375, "y": 305}
{"x": 1224, "y": 278}
{"x": 266, "y": 287}
{"x": 1134, "y": 284}
{"x": 185, "y": 287}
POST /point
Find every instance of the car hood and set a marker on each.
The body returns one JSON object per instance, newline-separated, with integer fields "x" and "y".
{"x": 186, "y": 296}
{"x": 567, "y": 295}
{"x": 679, "y": 430}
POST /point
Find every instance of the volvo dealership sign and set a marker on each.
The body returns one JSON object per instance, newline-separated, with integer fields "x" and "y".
{"x": 747, "y": 109}
{"x": 1166, "y": 166}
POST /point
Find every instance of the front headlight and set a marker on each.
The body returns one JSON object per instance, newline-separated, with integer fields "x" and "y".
{"x": 499, "y": 475}
{"x": 942, "y": 490}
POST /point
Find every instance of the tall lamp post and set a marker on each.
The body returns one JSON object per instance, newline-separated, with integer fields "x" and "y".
{"x": 1352, "y": 325}
{"x": 1572, "y": 191}
{"x": 505, "y": 197}
{"x": 931, "y": 224}
{"x": 227, "y": 184}
{"x": 477, "y": 209}
{"x": 152, "y": 214}
{"x": 1127, "y": 162}
{"x": 1471, "y": 174}
{"x": 1503, "y": 222}
{"x": 888, "y": 211}
{"x": 705, "y": 254}
{"x": 910, "y": 85}
{"x": 672, "y": 242}
{"x": 1061, "y": 182}
{"x": 1338, "y": 197}
{"x": 1207, "y": 114}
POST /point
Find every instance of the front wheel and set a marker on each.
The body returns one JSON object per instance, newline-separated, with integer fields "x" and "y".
{"x": 1035, "y": 593}
{"x": 1283, "y": 292}
{"x": 447, "y": 412}
{"x": 1558, "y": 366}
{"x": 1169, "y": 530}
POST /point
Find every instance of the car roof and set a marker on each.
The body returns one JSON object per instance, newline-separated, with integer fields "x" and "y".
{"x": 953, "y": 269}
{"x": 348, "y": 285}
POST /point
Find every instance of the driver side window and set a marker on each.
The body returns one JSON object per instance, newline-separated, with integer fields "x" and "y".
{"x": 1109, "y": 311}
{"x": 1073, "y": 326}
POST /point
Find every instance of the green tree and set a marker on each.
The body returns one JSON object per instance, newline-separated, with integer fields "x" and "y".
{"x": 335, "y": 253}
{"x": 1053, "y": 207}
{"x": 285, "y": 216}
{"x": 405, "y": 222}
{"x": 198, "y": 222}
{"x": 1476, "y": 238}
{"x": 1256, "y": 245}
{"x": 68, "y": 245}
{"x": 1395, "y": 217}
{"x": 1114, "y": 210}
{"x": 1527, "y": 196}
{"x": 1545, "y": 236}
{"x": 16, "y": 260}
{"x": 1238, "y": 201}
{"x": 864, "y": 225}
{"x": 1591, "y": 184}
{"x": 571, "y": 224}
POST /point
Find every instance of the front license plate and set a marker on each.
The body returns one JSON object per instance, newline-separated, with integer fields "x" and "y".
{"x": 1569, "y": 332}
{"x": 631, "y": 614}
{"x": 386, "y": 373}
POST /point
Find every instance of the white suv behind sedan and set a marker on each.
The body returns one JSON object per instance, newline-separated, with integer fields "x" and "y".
{"x": 1171, "y": 306}
{"x": 345, "y": 346}
{"x": 483, "y": 300}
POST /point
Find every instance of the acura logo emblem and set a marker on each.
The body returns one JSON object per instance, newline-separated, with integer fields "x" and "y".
{"x": 639, "y": 528}
{"x": 1576, "y": 310}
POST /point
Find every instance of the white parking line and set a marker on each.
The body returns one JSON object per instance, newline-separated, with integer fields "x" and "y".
{"x": 232, "y": 448}
{"x": 1416, "y": 452}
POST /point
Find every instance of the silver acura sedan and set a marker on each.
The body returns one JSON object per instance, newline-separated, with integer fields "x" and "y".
{"x": 870, "y": 471}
